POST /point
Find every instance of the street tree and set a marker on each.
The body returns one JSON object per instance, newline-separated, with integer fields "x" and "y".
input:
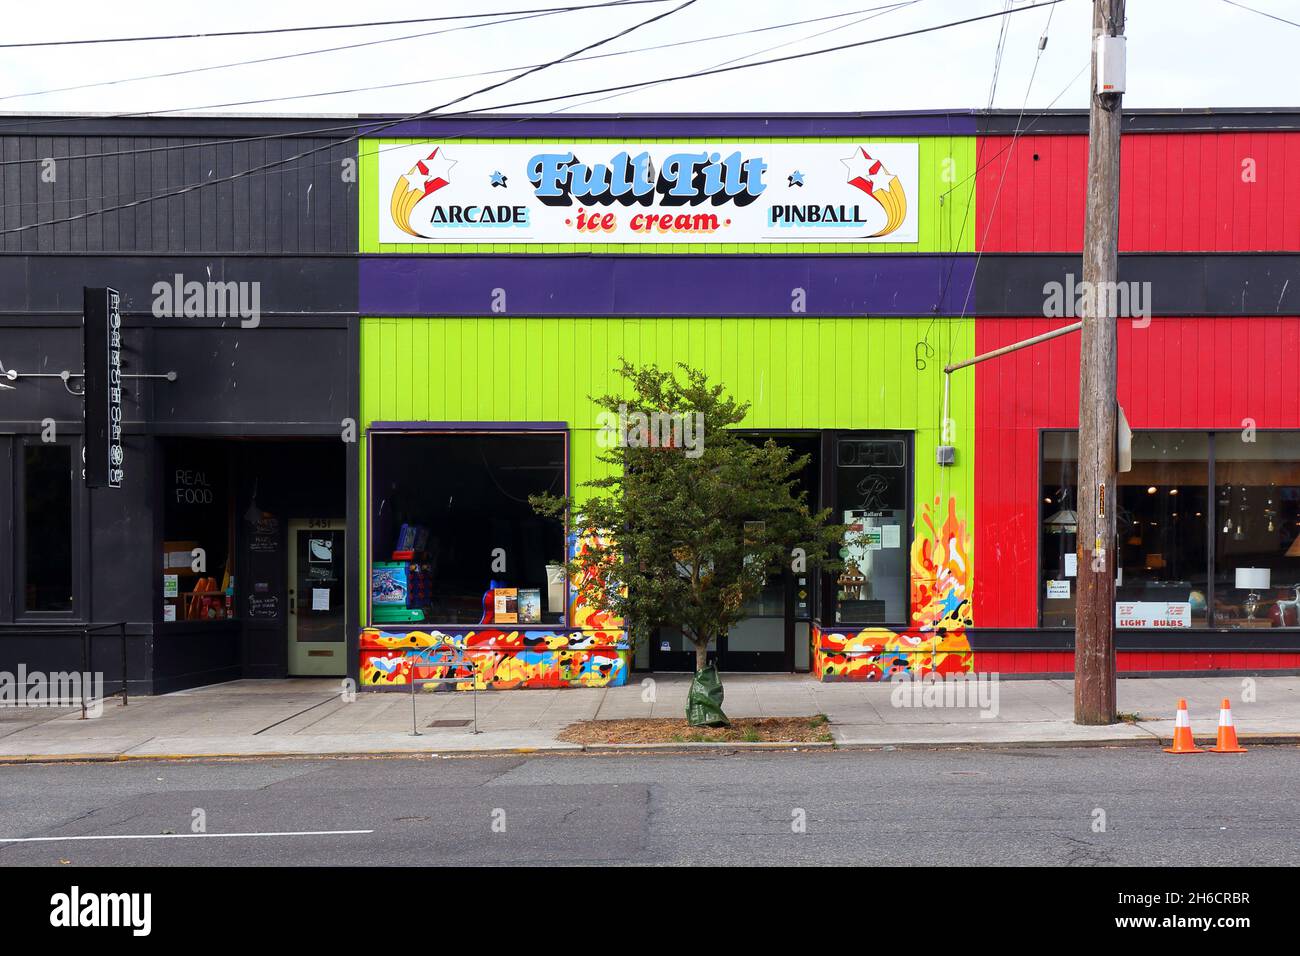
{"x": 691, "y": 517}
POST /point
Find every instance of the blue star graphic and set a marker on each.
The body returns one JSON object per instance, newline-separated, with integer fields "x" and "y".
{"x": 796, "y": 178}
{"x": 498, "y": 179}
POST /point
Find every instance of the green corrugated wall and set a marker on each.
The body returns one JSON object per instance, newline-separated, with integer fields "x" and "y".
{"x": 797, "y": 372}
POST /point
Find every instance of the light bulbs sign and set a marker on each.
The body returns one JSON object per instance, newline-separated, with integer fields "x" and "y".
{"x": 858, "y": 192}
{"x": 102, "y": 356}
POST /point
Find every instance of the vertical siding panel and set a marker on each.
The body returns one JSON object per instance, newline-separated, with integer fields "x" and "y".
{"x": 1054, "y": 168}
{"x": 1130, "y": 200}
{"x": 1290, "y": 187}
{"x": 1166, "y": 183}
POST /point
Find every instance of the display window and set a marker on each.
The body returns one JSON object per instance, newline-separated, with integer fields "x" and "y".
{"x": 1188, "y": 558}
{"x": 871, "y": 490}
{"x": 453, "y": 538}
{"x": 198, "y": 548}
{"x": 1257, "y": 529}
{"x": 46, "y": 522}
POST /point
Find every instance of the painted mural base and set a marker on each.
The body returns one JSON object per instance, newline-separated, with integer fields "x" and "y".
{"x": 877, "y": 654}
{"x": 498, "y": 658}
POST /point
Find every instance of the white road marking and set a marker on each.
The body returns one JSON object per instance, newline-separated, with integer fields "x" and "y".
{"x": 178, "y": 836}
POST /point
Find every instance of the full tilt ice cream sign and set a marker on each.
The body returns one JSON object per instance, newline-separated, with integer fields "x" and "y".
{"x": 689, "y": 192}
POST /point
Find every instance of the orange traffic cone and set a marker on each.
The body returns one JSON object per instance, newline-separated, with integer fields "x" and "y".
{"x": 1227, "y": 742}
{"x": 1183, "y": 742}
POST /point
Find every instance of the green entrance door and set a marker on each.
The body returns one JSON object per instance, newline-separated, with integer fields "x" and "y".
{"x": 317, "y": 632}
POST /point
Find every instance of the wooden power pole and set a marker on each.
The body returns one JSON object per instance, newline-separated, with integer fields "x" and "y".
{"x": 1094, "y": 634}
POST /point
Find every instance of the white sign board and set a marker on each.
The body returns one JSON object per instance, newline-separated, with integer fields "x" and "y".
{"x": 860, "y": 192}
{"x": 1153, "y": 614}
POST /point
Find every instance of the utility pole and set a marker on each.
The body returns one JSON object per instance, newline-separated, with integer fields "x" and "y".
{"x": 1094, "y": 634}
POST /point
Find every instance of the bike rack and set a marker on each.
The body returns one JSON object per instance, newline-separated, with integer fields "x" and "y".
{"x": 453, "y": 659}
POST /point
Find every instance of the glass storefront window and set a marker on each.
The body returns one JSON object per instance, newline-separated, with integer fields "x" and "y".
{"x": 452, "y": 535}
{"x": 1058, "y": 528}
{"x": 197, "y": 514}
{"x": 1257, "y": 529}
{"x": 1170, "y": 576}
{"x": 871, "y": 498}
{"x": 47, "y": 528}
{"x": 1161, "y": 528}
{"x": 1161, "y": 525}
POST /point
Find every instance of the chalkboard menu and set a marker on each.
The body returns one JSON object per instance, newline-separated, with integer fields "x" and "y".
{"x": 264, "y": 583}
{"x": 264, "y": 535}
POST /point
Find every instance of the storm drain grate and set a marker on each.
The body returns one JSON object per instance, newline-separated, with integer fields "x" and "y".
{"x": 448, "y": 723}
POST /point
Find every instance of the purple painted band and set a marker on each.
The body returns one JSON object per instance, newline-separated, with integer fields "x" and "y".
{"x": 893, "y": 284}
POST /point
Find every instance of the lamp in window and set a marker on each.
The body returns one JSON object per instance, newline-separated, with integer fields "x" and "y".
{"x": 1064, "y": 521}
{"x": 1252, "y": 580}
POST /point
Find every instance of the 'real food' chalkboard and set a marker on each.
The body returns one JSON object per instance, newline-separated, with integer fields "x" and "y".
{"x": 263, "y": 583}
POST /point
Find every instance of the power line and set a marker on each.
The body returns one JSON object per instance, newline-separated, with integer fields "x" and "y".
{"x": 356, "y": 135}
{"x": 997, "y": 193}
{"x": 306, "y": 29}
{"x": 980, "y": 167}
{"x": 529, "y": 102}
{"x": 998, "y": 50}
{"x": 626, "y": 86}
{"x": 281, "y": 56}
{"x": 441, "y": 79}
{"x": 888, "y": 8}
{"x": 1262, "y": 13}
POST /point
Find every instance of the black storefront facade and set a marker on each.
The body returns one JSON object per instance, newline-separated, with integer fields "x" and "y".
{"x": 224, "y": 551}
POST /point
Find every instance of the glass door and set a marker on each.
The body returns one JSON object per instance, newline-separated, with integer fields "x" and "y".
{"x": 764, "y": 640}
{"x": 317, "y": 632}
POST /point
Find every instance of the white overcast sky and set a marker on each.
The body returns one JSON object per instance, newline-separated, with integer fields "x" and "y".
{"x": 1182, "y": 53}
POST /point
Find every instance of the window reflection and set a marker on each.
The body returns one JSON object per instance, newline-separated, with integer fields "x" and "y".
{"x": 871, "y": 495}
{"x": 1257, "y": 529}
{"x": 1161, "y": 529}
{"x": 1170, "y": 576}
{"x": 47, "y": 527}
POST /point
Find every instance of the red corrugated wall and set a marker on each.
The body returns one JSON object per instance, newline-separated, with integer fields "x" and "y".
{"x": 1176, "y": 373}
{"x": 1181, "y": 192}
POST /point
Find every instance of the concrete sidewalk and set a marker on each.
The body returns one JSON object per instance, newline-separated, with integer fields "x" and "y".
{"x": 310, "y": 717}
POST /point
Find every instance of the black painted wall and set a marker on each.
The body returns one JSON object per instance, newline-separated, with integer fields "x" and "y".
{"x": 302, "y": 205}
{"x": 293, "y": 230}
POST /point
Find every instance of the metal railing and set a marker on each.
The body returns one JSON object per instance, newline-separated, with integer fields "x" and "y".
{"x": 453, "y": 659}
{"x": 87, "y": 655}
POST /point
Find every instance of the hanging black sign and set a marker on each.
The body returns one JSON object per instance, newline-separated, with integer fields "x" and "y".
{"x": 102, "y": 358}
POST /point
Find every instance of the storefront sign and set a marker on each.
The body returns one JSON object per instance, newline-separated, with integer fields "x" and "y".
{"x": 1153, "y": 614}
{"x": 102, "y": 357}
{"x": 657, "y": 193}
{"x": 1058, "y": 590}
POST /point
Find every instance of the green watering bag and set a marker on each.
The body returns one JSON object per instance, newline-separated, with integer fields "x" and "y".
{"x": 704, "y": 702}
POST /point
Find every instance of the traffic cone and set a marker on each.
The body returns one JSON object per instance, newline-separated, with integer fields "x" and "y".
{"x": 1227, "y": 742}
{"x": 1183, "y": 742}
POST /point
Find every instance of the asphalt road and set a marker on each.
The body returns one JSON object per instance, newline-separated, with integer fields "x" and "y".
{"x": 997, "y": 807}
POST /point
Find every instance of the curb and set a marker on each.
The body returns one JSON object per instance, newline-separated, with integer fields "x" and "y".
{"x": 687, "y": 746}
{"x": 12, "y": 760}
{"x": 655, "y": 748}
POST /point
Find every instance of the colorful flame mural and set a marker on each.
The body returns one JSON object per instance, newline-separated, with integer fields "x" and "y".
{"x": 592, "y": 653}
{"x": 495, "y": 659}
{"x": 941, "y": 611}
{"x": 581, "y": 612}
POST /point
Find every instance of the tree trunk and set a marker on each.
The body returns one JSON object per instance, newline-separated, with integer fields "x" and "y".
{"x": 701, "y": 655}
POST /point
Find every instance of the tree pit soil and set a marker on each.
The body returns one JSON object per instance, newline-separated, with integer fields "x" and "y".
{"x": 675, "y": 730}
